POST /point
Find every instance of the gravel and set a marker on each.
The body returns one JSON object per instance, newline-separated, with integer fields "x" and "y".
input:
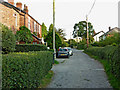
{"x": 79, "y": 71}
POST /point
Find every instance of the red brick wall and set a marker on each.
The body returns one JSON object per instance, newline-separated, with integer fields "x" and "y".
{"x": 7, "y": 17}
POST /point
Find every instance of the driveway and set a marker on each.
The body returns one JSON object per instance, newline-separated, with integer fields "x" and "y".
{"x": 79, "y": 71}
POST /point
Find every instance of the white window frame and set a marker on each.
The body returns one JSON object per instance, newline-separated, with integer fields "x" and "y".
{"x": 39, "y": 29}
{"x": 29, "y": 23}
{"x": 34, "y": 26}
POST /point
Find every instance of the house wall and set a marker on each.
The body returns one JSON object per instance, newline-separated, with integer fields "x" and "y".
{"x": 9, "y": 17}
{"x": 96, "y": 37}
{"x": 14, "y": 20}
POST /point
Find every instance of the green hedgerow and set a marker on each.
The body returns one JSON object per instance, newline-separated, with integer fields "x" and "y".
{"x": 8, "y": 39}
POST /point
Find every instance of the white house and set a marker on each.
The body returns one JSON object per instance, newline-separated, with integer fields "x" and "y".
{"x": 78, "y": 39}
{"x": 97, "y": 35}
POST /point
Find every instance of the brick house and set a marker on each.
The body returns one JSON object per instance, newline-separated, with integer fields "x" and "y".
{"x": 110, "y": 33}
{"x": 14, "y": 17}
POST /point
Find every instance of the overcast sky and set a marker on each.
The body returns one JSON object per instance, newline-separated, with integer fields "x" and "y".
{"x": 69, "y": 12}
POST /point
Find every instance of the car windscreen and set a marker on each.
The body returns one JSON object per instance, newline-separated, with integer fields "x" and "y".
{"x": 63, "y": 50}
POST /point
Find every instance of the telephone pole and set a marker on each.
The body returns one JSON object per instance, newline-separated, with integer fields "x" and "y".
{"x": 87, "y": 23}
{"x": 87, "y": 32}
{"x": 54, "y": 29}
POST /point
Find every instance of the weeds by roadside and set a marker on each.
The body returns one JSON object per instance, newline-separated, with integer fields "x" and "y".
{"x": 115, "y": 83}
{"x": 46, "y": 80}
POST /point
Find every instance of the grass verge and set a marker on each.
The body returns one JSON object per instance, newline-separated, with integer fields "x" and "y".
{"x": 46, "y": 80}
{"x": 56, "y": 62}
{"x": 115, "y": 83}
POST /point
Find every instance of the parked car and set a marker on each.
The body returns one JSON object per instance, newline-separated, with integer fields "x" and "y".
{"x": 70, "y": 51}
{"x": 63, "y": 52}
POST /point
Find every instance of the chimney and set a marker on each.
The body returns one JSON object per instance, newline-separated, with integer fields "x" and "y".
{"x": 109, "y": 28}
{"x": 11, "y": 2}
{"x": 19, "y": 5}
{"x": 25, "y": 8}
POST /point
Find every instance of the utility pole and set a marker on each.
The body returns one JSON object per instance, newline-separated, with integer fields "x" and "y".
{"x": 87, "y": 32}
{"x": 54, "y": 29}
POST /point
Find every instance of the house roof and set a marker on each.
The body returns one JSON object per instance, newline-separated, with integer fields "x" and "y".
{"x": 111, "y": 31}
{"x": 98, "y": 33}
{"x": 16, "y": 9}
{"x": 11, "y": 6}
{"x": 36, "y": 37}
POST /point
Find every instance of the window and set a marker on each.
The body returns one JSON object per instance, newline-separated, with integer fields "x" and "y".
{"x": 15, "y": 15}
{"x": 34, "y": 26}
{"x": 39, "y": 29}
{"x": 28, "y": 22}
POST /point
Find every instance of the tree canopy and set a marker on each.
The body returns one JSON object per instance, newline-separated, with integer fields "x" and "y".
{"x": 49, "y": 38}
{"x": 24, "y": 35}
{"x": 44, "y": 30}
{"x": 80, "y": 29}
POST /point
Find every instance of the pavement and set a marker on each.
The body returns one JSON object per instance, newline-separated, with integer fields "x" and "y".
{"x": 79, "y": 71}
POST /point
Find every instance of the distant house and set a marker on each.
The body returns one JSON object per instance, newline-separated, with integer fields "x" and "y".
{"x": 14, "y": 17}
{"x": 110, "y": 33}
{"x": 97, "y": 35}
{"x": 78, "y": 39}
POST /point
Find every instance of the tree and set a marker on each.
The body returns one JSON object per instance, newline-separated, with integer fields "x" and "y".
{"x": 44, "y": 30}
{"x": 24, "y": 35}
{"x": 80, "y": 29}
{"x": 8, "y": 39}
{"x": 61, "y": 33}
{"x": 49, "y": 38}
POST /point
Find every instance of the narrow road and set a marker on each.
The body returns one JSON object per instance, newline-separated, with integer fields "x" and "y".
{"x": 79, "y": 71}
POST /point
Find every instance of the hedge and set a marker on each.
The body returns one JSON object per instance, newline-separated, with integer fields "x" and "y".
{"x": 111, "y": 54}
{"x": 30, "y": 47}
{"x": 25, "y": 70}
{"x": 8, "y": 39}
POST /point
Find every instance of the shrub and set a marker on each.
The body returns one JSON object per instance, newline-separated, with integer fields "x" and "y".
{"x": 25, "y": 70}
{"x": 30, "y": 47}
{"x": 8, "y": 39}
{"x": 80, "y": 46}
{"x": 49, "y": 40}
{"x": 109, "y": 53}
{"x": 24, "y": 35}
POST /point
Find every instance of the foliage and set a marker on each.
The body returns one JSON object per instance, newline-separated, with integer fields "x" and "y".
{"x": 61, "y": 33}
{"x": 35, "y": 33}
{"x": 44, "y": 30}
{"x": 56, "y": 62}
{"x": 114, "y": 40}
{"x": 8, "y": 39}
{"x": 25, "y": 70}
{"x": 49, "y": 39}
{"x": 72, "y": 43}
{"x": 30, "y": 47}
{"x": 80, "y": 29}
{"x": 24, "y": 35}
{"x": 46, "y": 80}
{"x": 111, "y": 54}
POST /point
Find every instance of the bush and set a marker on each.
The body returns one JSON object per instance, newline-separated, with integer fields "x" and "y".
{"x": 8, "y": 39}
{"x": 30, "y": 47}
{"x": 109, "y": 53}
{"x": 24, "y": 35}
{"x": 49, "y": 40}
{"x": 80, "y": 46}
{"x": 25, "y": 70}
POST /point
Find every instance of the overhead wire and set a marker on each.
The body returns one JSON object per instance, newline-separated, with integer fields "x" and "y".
{"x": 91, "y": 7}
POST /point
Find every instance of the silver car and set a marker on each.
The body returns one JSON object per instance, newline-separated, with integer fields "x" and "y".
{"x": 63, "y": 52}
{"x": 70, "y": 51}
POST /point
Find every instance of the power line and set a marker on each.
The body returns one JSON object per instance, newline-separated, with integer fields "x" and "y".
{"x": 91, "y": 8}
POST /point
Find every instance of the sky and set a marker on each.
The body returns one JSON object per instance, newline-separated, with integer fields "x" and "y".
{"x": 69, "y": 12}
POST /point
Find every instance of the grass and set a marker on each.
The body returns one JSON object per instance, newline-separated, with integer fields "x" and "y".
{"x": 115, "y": 83}
{"x": 46, "y": 80}
{"x": 56, "y": 62}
